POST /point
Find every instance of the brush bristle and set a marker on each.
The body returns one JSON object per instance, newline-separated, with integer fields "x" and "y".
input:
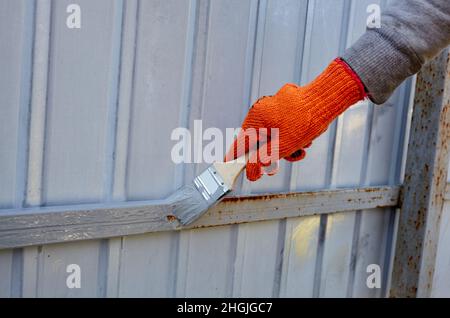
{"x": 187, "y": 204}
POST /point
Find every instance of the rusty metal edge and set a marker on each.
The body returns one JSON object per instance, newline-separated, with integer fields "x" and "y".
{"x": 424, "y": 188}
{"x": 447, "y": 192}
{"x": 35, "y": 226}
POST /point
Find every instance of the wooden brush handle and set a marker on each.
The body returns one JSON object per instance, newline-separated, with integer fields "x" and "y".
{"x": 230, "y": 170}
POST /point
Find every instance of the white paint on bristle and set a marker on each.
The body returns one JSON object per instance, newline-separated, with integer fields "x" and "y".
{"x": 187, "y": 204}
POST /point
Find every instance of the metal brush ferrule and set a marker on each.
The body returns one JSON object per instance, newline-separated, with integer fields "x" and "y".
{"x": 211, "y": 185}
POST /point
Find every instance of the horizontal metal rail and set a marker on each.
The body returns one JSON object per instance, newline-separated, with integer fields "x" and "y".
{"x": 35, "y": 226}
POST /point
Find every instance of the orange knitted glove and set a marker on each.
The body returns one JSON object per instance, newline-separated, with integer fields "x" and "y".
{"x": 300, "y": 114}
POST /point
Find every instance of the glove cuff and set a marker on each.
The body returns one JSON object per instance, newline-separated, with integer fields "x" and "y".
{"x": 330, "y": 94}
{"x": 355, "y": 77}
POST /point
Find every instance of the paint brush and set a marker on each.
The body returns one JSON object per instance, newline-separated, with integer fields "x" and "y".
{"x": 193, "y": 200}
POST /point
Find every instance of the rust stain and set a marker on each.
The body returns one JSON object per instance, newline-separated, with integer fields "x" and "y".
{"x": 368, "y": 190}
{"x": 268, "y": 197}
{"x": 265, "y": 197}
{"x": 204, "y": 226}
{"x": 171, "y": 218}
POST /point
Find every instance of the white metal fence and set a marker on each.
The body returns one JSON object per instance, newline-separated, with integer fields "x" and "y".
{"x": 86, "y": 116}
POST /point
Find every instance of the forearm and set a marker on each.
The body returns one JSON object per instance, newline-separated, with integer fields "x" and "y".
{"x": 411, "y": 33}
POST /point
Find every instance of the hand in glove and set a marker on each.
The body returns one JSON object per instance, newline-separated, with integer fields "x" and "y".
{"x": 299, "y": 114}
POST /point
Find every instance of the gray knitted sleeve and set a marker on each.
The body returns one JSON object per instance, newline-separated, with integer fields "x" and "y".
{"x": 411, "y": 33}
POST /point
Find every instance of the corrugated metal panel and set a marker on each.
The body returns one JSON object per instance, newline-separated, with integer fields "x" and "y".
{"x": 15, "y": 59}
{"x": 104, "y": 100}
